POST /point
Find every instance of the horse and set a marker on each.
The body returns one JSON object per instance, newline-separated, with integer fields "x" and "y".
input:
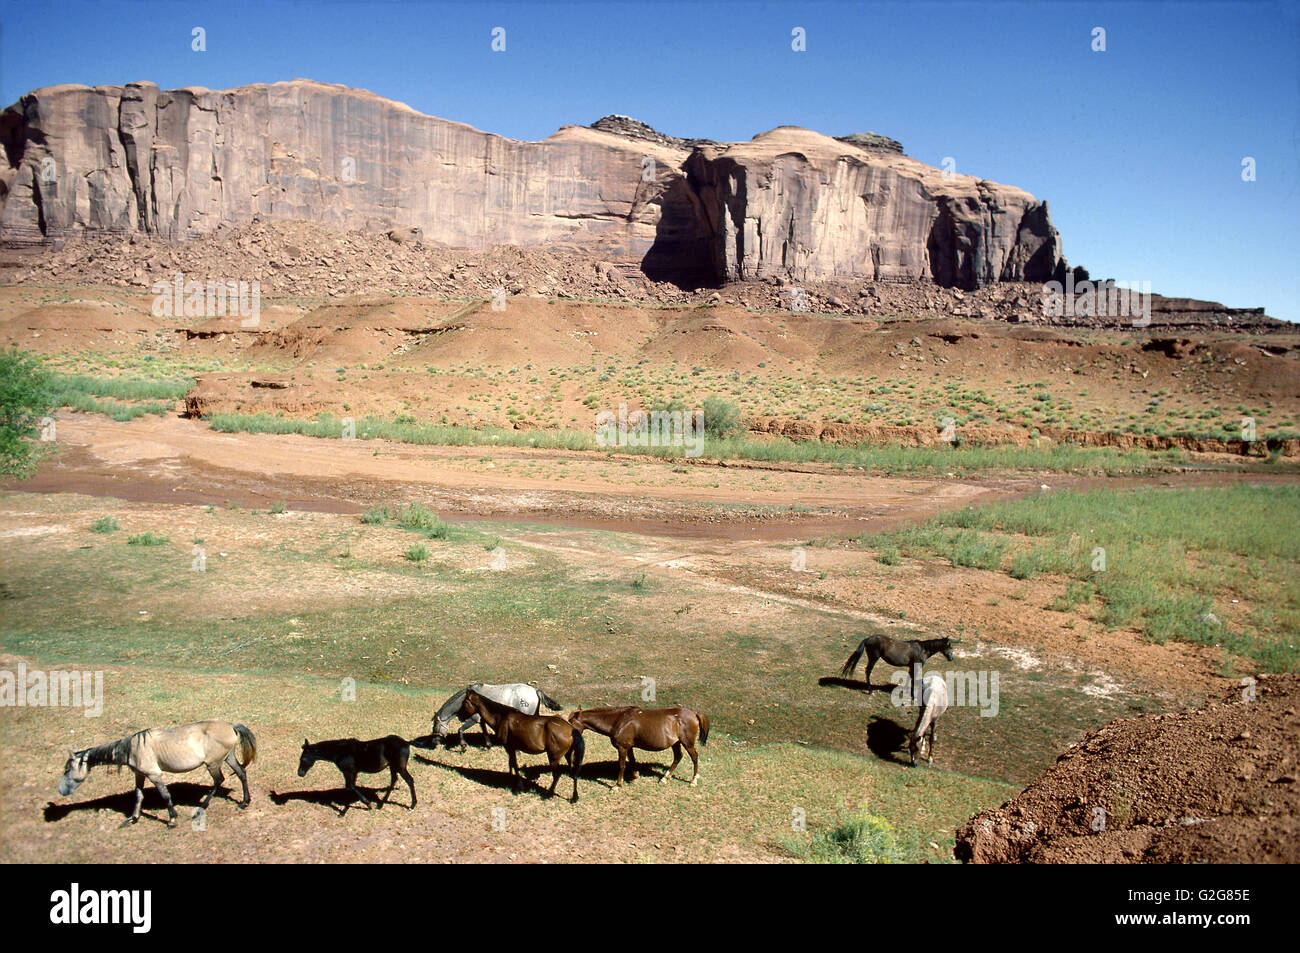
{"x": 352, "y": 757}
{"x": 912, "y": 654}
{"x": 518, "y": 695}
{"x": 934, "y": 702}
{"x": 175, "y": 750}
{"x": 649, "y": 730}
{"x": 531, "y": 733}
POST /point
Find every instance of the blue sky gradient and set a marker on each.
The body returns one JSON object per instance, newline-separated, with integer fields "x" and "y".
{"x": 1137, "y": 149}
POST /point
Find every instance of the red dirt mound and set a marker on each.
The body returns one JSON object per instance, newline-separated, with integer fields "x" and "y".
{"x": 1217, "y": 785}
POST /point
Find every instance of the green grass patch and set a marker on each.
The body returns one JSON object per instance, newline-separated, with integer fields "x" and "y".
{"x": 1169, "y": 562}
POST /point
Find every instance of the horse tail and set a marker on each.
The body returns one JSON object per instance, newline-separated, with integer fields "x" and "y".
{"x": 548, "y": 701}
{"x": 579, "y": 749}
{"x": 247, "y": 745}
{"x": 704, "y": 727}
{"x": 854, "y": 659}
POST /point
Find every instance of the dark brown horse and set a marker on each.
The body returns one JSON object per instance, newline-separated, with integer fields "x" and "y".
{"x": 911, "y": 654}
{"x": 354, "y": 757}
{"x": 649, "y": 730}
{"x": 531, "y": 733}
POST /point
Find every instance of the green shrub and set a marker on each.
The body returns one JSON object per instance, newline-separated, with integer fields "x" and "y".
{"x": 26, "y": 398}
{"x": 146, "y": 539}
{"x": 865, "y": 839}
{"x": 105, "y": 524}
{"x": 722, "y": 418}
{"x": 417, "y": 553}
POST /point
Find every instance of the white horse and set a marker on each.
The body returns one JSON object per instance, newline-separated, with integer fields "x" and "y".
{"x": 519, "y": 695}
{"x": 934, "y": 702}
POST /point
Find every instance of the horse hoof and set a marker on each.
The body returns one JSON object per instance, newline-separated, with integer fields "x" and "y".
{"x": 172, "y": 822}
{"x": 126, "y": 823}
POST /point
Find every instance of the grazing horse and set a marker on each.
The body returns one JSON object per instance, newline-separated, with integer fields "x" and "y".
{"x": 912, "y": 654}
{"x": 175, "y": 750}
{"x": 649, "y": 730}
{"x": 366, "y": 757}
{"x": 934, "y": 702}
{"x": 531, "y": 733}
{"x": 518, "y": 695}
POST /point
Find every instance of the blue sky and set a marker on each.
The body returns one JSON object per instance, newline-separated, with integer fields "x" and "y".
{"x": 1137, "y": 149}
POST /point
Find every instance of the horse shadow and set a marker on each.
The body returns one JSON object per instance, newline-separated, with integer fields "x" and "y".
{"x": 536, "y": 774}
{"x": 339, "y": 800}
{"x": 857, "y": 685}
{"x": 471, "y": 741}
{"x": 184, "y": 794}
{"x": 886, "y": 738}
{"x": 607, "y": 771}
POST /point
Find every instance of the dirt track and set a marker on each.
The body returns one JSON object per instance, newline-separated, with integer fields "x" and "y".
{"x": 175, "y": 460}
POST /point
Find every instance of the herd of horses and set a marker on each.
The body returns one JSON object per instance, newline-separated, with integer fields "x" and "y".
{"x": 510, "y": 714}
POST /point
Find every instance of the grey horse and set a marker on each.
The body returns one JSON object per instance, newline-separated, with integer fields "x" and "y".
{"x": 520, "y": 695}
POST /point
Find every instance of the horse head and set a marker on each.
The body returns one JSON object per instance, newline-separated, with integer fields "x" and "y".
{"x": 946, "y": 648}
{"x": 74, "y": 772}
{"x": 307, "y": 760}
{"x": 915, "y": 743}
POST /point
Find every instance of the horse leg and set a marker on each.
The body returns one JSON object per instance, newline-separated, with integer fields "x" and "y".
{"x": 557, "y": 767}
{"x": 139, "y": 799}
{"x": 631, "y": 763}
{"x": 392, "y": 783}
{"x": 487, "y": 738}
{"x": 930, "y": 754}
{"x": 215, "y": 771}
{"x": 695, "y": 761}
{"x": 871, "y": 663}
{"x": 677, "y": 756}
{"x": 514, "y": 769}
{"x": 350, "y": 780}
{"x": 167, "y": 799}
{"x": 410, "y": 783}
{"x": 243, "y": 778}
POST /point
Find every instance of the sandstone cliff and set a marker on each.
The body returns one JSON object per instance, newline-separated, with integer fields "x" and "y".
{"x": 179, "y": 164}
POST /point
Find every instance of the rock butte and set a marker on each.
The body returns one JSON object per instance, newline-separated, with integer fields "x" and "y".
{"x": 178, "y": 164}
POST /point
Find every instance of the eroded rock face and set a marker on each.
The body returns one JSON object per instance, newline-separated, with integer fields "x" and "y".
{"x": 181, "y": 163}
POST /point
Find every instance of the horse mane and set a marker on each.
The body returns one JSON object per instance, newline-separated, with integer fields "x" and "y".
{"x": 452, "y": 705}
{"x": 929, "y": 642}
{"x": 115, "y": 753}
{"x": 937, "y": 693}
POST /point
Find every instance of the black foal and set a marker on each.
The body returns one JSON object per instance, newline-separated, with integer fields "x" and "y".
{"x": 365, "y": 757}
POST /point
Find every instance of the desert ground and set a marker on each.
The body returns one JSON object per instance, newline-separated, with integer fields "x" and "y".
{"x": 207, "y": 534}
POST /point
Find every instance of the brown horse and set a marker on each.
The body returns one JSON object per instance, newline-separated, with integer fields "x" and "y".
{"x": 649, "y": 730}
{"x": 531, "y": 733}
